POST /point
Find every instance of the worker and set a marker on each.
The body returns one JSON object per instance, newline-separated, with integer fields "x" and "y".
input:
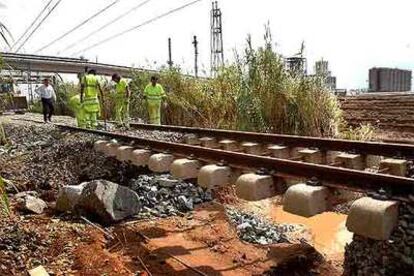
{"x": 122, "y": 97}
{"x": 77, "y": 108}
{"x": 48, "y": 96}
{"x": 154, "y": 94}
{"x": 89, "y": 98}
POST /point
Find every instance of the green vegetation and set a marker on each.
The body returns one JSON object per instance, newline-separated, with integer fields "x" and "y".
{"x": 4, "y": 200}
{"x": 255, "y": 93}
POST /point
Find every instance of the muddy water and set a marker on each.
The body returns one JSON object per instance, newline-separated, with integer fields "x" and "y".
{"x": 328, "y": 232}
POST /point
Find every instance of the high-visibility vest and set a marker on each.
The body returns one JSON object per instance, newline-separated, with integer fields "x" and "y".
{"x": 121, "y": 87}
{"x": 154, "y": 93}
{"x": 91, "y": 84}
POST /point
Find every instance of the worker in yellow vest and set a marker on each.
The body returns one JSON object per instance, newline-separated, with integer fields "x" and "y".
{"x": 77, "y": 108}
{"x": 154, "y": 94}
{"x": 122, "y": 96}
{"x": 89, "y": 98}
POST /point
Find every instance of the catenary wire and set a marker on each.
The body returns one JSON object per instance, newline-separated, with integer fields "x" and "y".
{"x": 77, "y": 26}
{"x": 38, "y": 25}
{"x": 136, "y": 27}
{"x": 105, "y": 26}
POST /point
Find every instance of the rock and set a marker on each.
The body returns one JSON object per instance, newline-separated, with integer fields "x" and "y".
{"x": 167, "y": 183}
{"x": 68, "y": 197}
{"x": 27, "y": 193}
{"x": 185, "y": 203}
{"x": 108, "y": 201}
{"x": 31, "y": 204}
{"x": 38, "y": 271}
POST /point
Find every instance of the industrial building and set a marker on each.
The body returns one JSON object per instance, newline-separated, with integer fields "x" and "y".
{"x": 322, "y": 69}
{"x": 389, "y": 80}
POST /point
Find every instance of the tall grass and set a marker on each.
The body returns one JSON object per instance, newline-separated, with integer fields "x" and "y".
{"x": 254, "y": 93}
{"x": 4, "y": 200}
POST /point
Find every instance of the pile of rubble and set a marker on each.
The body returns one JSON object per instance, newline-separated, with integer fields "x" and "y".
{"x": 253, "y": 229}
{"x": 395, "y": 256}
{"x": 163, "y": 196}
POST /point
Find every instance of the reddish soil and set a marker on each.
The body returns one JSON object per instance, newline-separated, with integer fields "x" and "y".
{"x": 203, "y": 241}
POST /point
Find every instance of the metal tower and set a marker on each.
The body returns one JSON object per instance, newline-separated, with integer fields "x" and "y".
{"x": 216, "y": 39}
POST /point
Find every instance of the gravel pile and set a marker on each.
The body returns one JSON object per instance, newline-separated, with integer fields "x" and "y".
{"x": 163, "y": 196}
{"x": 42, "y": 158}
{"x": 253, "y": 229}
{"x": 365, "y": 256}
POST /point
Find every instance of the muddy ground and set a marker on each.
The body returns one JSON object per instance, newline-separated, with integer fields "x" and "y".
{"x": 203, "y": 242}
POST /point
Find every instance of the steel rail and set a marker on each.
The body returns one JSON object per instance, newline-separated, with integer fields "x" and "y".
{"x": 328, "y": 175}
{"x": 324, "y": 144}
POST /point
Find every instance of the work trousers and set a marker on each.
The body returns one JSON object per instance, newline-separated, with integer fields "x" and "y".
{"x": 91, "y": 120}
{"x": 122, "y": 111}
{"x": 48, "y": 109}
{"x": 154, "y": 112}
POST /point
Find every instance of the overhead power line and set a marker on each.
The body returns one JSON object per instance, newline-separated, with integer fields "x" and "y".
{"x": 136, "y": 27}
{"x": 105, "y": 26}
{"x": 32, "y": 24}
{"x": 77, "y": 26}
{"x": 38, "y": 25}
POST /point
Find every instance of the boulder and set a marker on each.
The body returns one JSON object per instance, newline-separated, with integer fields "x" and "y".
{"x": 108, "y": 202}
{"x": 31, "y": 204}
{"x": 68, "y": 197}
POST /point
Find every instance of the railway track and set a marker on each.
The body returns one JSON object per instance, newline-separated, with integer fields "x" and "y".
{"x": 396, "y": 150}
{"x": 258, "y": 177}
{"x": 328, "y": 175}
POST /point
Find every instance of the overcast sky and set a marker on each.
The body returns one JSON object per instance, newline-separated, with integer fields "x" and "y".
{"x": 353, "y": 35}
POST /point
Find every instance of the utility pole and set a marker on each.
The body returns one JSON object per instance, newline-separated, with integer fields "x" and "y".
{"x": 169, "y": 62}
{"x": 195, "y": 43}
{"x": 216, "y": 39}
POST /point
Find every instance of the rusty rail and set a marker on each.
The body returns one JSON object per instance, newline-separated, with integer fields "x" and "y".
{"x": 324, "y": 144}
{"x": 330, "y": 176}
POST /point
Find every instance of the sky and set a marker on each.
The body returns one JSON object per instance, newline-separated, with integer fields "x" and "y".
{"x": 353, "y": 35}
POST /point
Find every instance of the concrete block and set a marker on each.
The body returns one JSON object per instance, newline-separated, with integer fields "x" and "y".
{"x": 311, "y": 156}
{"x": 160, "y": 162}
{"x": 252, "y": 148}
{"x": 331, "y": 156}
{"x": 212, "y": 176}
{"x": 294, "y": 152}
{"x": 209, "y": 142}
{"x": 191, "y": 139}
{"x": 185, "y": 168}
{"x": 100, "y": 145}
{"x": 123, "y": 153}
{"x": 373, "y": 218}
{"x": 254, "y": 187}
{"x": 394, "y": 166}
{"x": 373, "y": 161}
{"x": 305, "y": 200}
{"x": 111, "y": 149}
{"x": 351, "y": 161}
{"x": 229, "y": 145}
{"x": 140, "y": 157}
{"x": 280, "y": 152}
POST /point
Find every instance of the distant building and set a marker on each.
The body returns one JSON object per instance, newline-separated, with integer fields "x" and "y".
{"x": 389, "y": 80}
{"x": 321, "y": 69}
{"x": 296, "y": 65}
